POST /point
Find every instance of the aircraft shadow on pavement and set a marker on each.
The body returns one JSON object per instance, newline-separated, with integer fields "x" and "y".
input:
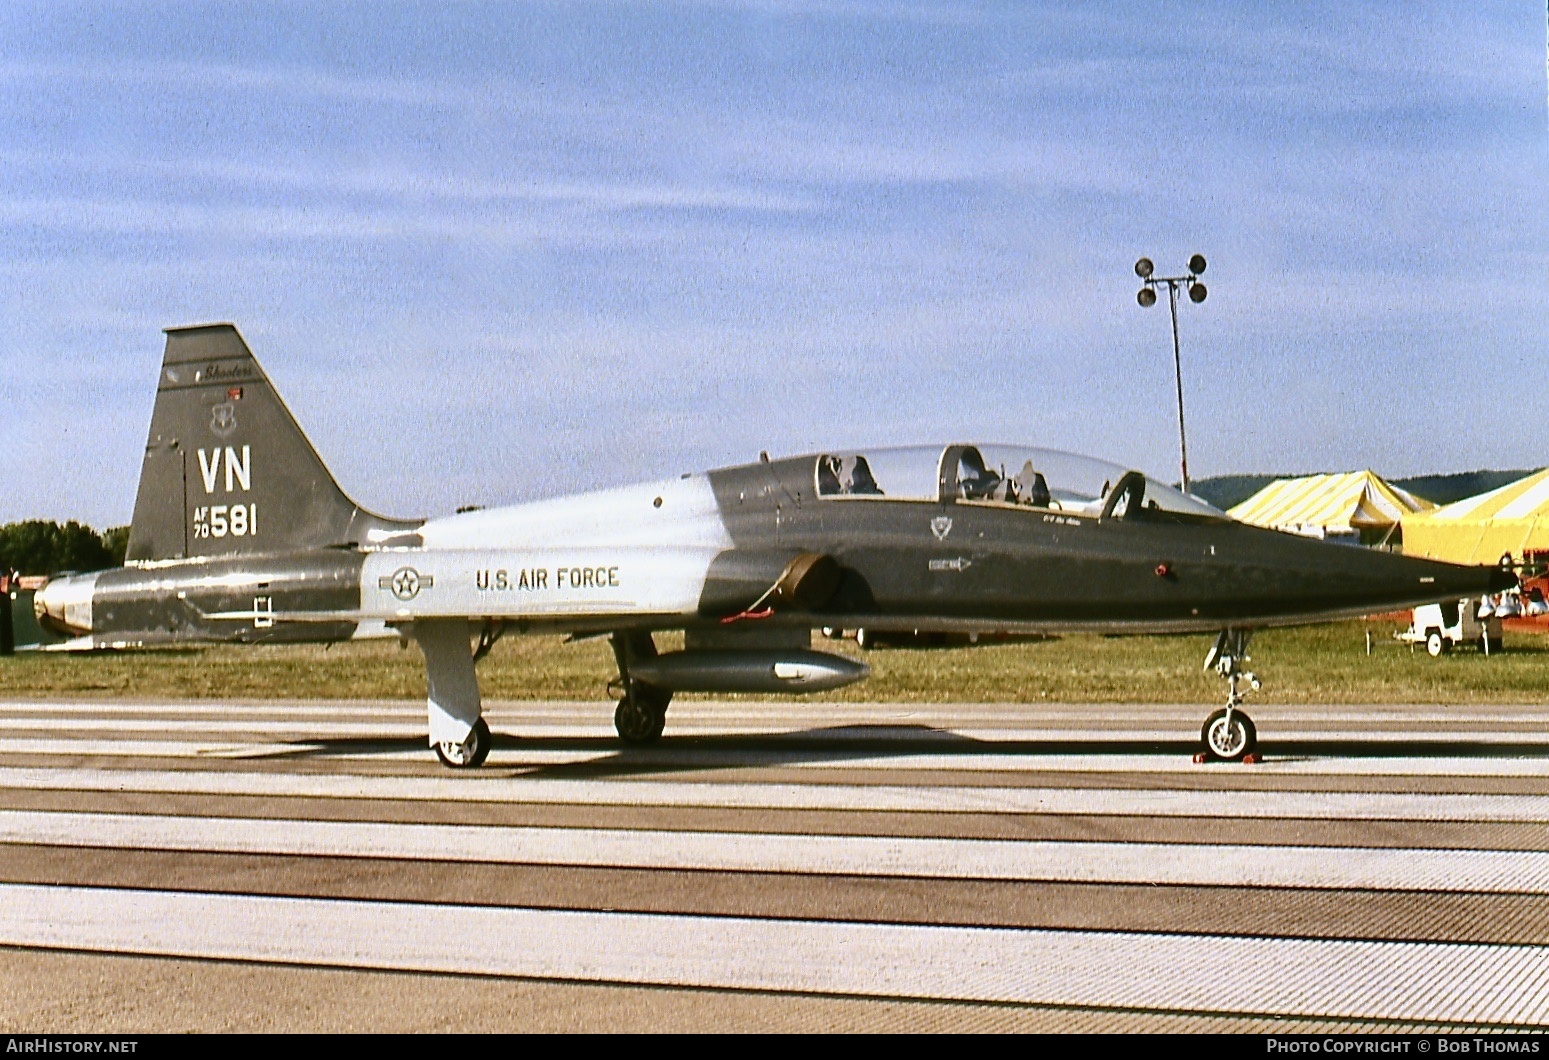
{"x": 841, "y": 744}
{"x": 1347, "y": 748}
{"x": 858, "y": 744}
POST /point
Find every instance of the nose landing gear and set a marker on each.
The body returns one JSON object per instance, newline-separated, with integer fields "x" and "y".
{"x": 1228, "y": 734}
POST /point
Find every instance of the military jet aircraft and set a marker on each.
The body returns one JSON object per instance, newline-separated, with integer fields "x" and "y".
{"x": 240, "y": 534}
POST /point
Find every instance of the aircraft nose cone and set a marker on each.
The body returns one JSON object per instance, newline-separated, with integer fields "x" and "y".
{"x": 1453, "y": 582}
{"x": 1347, "y": 578}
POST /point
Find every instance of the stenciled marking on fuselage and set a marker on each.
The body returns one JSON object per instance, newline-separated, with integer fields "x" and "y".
{"x": 219, "y": 520}
{"x": 222, "y": 520}
{"x": 957, "y": 563}
{"x": 537, "y": 578}
{"x": 239, "y": 470}
{"x": 526, "y": 579}
{"x": 215, "y": 372}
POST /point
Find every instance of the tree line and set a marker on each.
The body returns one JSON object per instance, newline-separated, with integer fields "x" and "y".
{"x": 38, "y": 547}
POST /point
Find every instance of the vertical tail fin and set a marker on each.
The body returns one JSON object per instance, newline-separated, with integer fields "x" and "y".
{"x": 227, "y": 469}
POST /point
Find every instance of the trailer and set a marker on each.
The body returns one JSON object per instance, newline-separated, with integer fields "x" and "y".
{"x": 1441, "y": 627}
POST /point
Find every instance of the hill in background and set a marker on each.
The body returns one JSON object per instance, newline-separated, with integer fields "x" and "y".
{"x": 1444, "y": 489}
{"x": 1226, "y": 491}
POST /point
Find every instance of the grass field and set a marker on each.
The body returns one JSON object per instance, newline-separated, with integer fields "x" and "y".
{"x": 1317, "y": 664}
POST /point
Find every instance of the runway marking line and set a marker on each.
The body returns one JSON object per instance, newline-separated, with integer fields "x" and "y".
{"x": 1501, "y": 985}
{"x": 1066, "y": 861}
{"x": 731, "y": 794}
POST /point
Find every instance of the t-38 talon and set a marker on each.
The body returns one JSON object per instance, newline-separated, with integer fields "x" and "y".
{"x": 240, "y": 534}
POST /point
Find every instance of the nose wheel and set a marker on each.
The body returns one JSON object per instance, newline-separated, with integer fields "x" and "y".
{"x": 1228, "y": 734}
{"x": 471, "y": 753}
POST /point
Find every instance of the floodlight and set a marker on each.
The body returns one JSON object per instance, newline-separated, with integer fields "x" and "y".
{"x": 1146, "y": 296}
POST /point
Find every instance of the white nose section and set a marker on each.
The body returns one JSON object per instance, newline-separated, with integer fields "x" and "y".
{"x": 64, "y": 604}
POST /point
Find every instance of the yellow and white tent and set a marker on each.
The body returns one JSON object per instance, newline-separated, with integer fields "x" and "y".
{"x": 1510, "y": 520}
{"x": 1353, "y": 504}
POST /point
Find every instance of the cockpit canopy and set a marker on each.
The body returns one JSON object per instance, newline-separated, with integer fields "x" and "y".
{"x": 1016, "y": 476}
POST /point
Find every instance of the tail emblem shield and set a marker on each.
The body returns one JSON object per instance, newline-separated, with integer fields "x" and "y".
{"x": 223, "y": 419}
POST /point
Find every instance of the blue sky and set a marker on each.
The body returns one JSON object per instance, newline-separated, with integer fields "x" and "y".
{"x": 496, "y": 252}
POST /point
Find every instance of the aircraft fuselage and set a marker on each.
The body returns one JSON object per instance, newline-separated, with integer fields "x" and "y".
{"x": 698, "y": 550}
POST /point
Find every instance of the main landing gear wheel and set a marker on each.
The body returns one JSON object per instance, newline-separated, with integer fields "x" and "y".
{"x": 640, "y": 719}
{"x": 1229, "y": 739}
{"x": 471, "y": 753}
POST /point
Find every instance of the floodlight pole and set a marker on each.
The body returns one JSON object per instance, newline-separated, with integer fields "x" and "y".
{"x": 1147, "y": 298}
{"x": 1183, "y": 445}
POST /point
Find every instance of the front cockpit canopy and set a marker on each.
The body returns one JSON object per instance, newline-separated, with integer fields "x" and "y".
{"x": 1016, "y": 476}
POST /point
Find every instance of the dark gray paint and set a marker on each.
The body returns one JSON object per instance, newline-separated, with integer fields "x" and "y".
{"x": 213, "y": 400}
{"x": 1020, "y": 567}
{"x": 175, "y": 602}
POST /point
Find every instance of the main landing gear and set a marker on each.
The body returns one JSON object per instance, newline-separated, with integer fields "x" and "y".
{"x": 641, "y": 715}
{"x": 458, "y": 732}
{"x": 642, "y": 711}
{"x": 471, "y": 753}
{"x": 472, "y": 750}
{"x": 1228, "y": 734}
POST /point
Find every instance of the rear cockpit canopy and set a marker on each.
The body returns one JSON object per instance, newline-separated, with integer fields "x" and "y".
{"x": 1003, "y": 475}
